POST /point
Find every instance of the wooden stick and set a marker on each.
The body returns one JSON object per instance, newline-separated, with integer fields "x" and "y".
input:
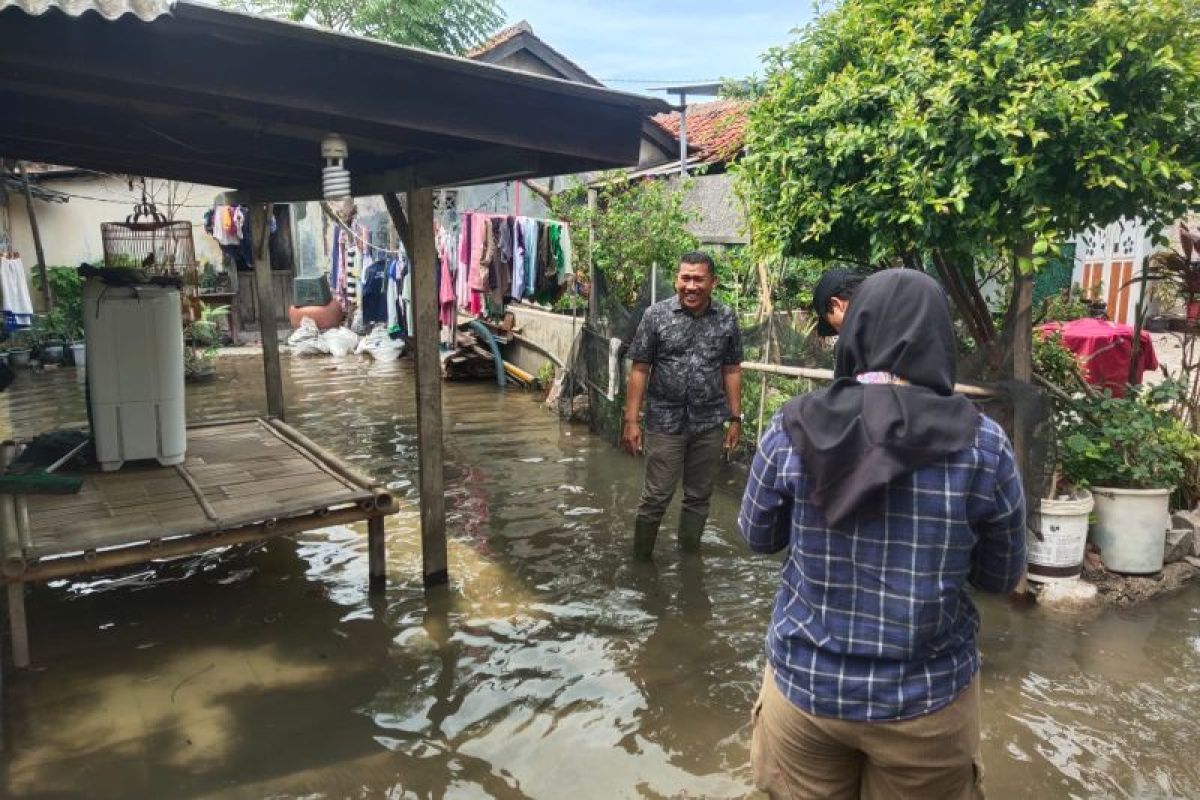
{"x": 811, "y": 373}
{"x": 220, "y": 423}
{"x": 199, "y": 495}
{"x": 47, "y": 292}
{"x": 99, "y": 561}
{"x": 330, "y": 460}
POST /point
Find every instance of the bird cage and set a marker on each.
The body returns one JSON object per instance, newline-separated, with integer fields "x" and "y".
{"x": 147, "y": 240}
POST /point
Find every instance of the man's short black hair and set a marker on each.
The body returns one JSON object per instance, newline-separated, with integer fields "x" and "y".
{"x": 699, "y": 257}
{"x": 840, "y": 283}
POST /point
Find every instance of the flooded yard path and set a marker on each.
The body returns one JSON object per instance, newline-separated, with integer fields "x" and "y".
{"x": 554, "y": 667}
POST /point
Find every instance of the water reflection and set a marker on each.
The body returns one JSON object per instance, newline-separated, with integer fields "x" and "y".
{"x": 552, "y": 667}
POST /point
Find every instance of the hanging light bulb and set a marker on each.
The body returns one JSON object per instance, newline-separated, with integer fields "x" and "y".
{"x": 335, "y": 178}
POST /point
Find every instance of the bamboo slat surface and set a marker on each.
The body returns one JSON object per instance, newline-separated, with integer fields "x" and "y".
{"x": 245, "y": 472}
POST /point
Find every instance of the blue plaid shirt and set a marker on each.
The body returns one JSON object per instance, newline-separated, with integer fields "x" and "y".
{"x": 873, "y": 620}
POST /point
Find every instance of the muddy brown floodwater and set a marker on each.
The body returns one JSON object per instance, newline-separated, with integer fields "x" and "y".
{"x": 551, "y": 669}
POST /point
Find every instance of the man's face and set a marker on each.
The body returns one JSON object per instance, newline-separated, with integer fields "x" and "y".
{"x": 695, "y": 285}
{"x": 837, "y": 312}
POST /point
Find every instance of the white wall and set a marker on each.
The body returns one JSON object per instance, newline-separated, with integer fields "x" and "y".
{"x": 70, "y": 231}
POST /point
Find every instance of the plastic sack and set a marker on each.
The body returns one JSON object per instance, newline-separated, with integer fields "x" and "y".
{"x": 339, "y": 341}
{"x": 379, "y": 345}
{"x": 307, "y": 332}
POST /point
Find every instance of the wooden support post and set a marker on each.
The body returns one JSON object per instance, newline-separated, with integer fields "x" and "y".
{"x": 376, "y": 553}
{"x": 1023, "y": 368}
{"x": 260, "y": 227}
{"x": 43, "y": 270}
{"x": 1023, "y": 374}
{"x": 429, "y": 378}
{"x": 593, "y": 317}
{"x": 16, "y": 622}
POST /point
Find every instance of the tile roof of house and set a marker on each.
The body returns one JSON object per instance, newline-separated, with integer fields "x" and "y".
{"x": 716, "y": 130}
{"x": 500, "y": 37}
{"x": 523, "y": 27}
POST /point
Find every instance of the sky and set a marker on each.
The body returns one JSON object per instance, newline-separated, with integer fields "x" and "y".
{"x": 631, "y": 45}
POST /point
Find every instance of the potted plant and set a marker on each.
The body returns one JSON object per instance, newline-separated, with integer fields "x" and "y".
{"x": 1058, "y": 529}
{"x": 19, "y": 349}
{"x": 1181, "y": 269}
{"x": 200, "y": 340}
{"x": 1132, "y": 453}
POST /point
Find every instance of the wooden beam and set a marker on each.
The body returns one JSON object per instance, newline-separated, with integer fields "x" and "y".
{"x": 376, "y": 553}
{"x": 47, "y": 292}
{"x": 260, "y": 227}
{"x": 399, "y": 220}
{"x": 18, "y": 625}
{"x": 492, "y": 164}
{"x": 429, "y": 384}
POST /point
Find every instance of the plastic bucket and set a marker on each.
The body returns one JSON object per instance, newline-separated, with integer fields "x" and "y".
{"x": 79, "y": 354}
{"x": 1063, "y": 528}
{"x": 1131, "y": 528}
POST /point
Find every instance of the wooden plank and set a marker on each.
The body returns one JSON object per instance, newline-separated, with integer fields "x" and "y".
{"x": 183, "y": 545}
{"x": 431, "y": 479}
{"x": 272, "y": 369}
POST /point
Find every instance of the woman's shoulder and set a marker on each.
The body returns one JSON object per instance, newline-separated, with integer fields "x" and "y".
{"x": 990, "y": 436}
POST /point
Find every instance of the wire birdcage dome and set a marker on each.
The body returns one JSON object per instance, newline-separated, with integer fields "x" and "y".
{"x": 147, "y": 240}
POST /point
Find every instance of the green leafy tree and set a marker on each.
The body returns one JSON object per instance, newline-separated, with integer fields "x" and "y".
{"x": 635, "y": 224}
{"x": 927, "y": 131}
{"x": 448, "y": 26}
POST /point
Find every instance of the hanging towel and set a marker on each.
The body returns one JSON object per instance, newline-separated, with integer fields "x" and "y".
{"x": 18, "y": 308}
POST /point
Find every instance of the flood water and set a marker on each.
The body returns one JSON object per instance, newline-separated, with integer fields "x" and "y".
{"x": 552, "y": 668}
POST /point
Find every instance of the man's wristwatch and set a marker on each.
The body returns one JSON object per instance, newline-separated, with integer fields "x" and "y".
{"x": 735, "y": 418}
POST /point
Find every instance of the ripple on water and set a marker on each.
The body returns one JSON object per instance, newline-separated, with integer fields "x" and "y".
{"x": 553, "y": 666}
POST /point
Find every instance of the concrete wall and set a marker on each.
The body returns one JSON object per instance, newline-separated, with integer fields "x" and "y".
{"x": 554, "y": 332}
{"x": 71, "y": 231}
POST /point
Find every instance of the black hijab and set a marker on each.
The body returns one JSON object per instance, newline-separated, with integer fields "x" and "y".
{"x": 856, "y": 438}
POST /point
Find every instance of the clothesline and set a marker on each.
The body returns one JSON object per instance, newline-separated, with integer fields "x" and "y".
{"x": 358, "y": 239}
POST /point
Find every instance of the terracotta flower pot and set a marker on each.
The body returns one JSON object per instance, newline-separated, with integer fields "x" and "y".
{"x": 326, "y": 317}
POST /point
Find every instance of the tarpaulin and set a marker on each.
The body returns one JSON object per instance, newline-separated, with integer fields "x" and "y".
{"x": 1104, "y": 350}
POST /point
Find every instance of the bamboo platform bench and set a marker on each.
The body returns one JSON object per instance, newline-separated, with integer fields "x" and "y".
{"x": 243, "y": 481}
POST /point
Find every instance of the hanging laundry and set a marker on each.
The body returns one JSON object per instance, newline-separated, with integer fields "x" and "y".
{"x": 530, "y": 227}
{"x": 518, "y": 258}
{"x": 14, "y": 283}
{"x": 374, "y": 293}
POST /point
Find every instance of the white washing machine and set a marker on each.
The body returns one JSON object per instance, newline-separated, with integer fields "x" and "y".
{"x": 134, "y": 338}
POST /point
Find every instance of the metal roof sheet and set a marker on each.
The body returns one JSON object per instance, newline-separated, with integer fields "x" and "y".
{"x": 145, "y": 10}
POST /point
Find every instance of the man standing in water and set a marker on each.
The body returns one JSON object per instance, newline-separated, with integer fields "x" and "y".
{"x": 687, "y": 356}
{"x": 890, "y": 494}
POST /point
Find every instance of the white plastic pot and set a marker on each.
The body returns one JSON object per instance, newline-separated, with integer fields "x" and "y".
{"x": 79, "y": 354}
{"x": 1063, "y": 528}
{"x": 1131, "y": 528}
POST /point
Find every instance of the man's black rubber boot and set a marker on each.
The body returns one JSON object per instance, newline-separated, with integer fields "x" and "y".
{"x": 644, "y": 533}
{"x": 691, "y": 530}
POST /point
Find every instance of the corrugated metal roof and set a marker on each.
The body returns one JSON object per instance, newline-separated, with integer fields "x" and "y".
{"x": 412, "y": 118}
{"x": 145, "y": 10}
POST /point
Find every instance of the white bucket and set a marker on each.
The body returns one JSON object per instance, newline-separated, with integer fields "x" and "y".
{"x": 1063, "y": 526}
{"x": 1131, "y": 528}
{"x": 79, "y": 354}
